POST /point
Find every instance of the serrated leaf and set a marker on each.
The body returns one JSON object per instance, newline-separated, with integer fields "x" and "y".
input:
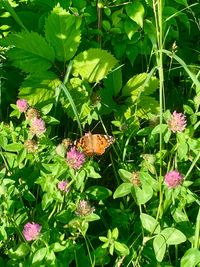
{"x": 39, "y": 88}
{"x": 159, "y": 246}
{"x": 173, "y": 236}
{"x": 136, "y": 12}
{"x": 62, "y": 32}
{"x": 93, "y": 64}
{"x": 30, "y": 52}
{"x": 140, "y": 83}
{"x": 149, "y": 223}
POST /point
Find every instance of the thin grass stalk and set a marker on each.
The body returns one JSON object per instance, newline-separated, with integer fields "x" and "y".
{"x": 158, "y": 10}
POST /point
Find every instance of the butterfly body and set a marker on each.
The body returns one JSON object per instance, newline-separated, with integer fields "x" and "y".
{"x": 94, "y": 144}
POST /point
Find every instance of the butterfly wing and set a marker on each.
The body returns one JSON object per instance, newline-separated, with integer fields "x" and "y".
{"x": 94, "y": 144}
{"x": 100, "y": 143}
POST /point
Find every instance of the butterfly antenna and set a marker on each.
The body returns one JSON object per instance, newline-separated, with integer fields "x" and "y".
{"x": 95, "y": 126}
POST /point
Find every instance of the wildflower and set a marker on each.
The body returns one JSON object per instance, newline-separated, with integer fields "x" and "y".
{"x": 84, "y": 208}
{"x": 31, "y": 231}
{"x": 63, "y": 186}
{"x": 177, "y": 123}
{"x": 136, "y": 179}
{"x": 173, "y": 179}
{"x": 75, "y": 158}
{"x": 37, "y": 126}
{"x": 32, "y": 113}
{"x": 22, "y": 105}
{"x": 31, "y": 145}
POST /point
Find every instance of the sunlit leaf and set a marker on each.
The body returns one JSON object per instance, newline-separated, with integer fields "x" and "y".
{"x": 191, "y": 258}
{"x": 136, "y": 12}
{"x": 173, "y": 236}
{"x": 62, "y": 32}
{"x": 39, "y": 88}
{"x": 159, "y": 246}
{"x": 150, "y": 224}
{"x": 30, "y": 52}
{"x": 93, "y": 64}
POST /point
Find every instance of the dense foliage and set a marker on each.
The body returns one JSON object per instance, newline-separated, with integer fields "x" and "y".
{"x": 129, "y": 72}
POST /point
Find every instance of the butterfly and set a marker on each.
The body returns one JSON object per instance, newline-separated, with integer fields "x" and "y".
{"x": 94, "y": 144}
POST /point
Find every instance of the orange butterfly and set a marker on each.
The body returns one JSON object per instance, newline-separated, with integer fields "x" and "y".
{"x": 94, "y": 144}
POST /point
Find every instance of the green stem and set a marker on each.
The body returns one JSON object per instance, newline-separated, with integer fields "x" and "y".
{"x": 197, "y": 231}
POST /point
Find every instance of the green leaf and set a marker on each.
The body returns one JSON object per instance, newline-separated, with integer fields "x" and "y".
{"x": 150, "y": 30}
{"x": 39, "y": 88}
{"x": 98, "y": 192}
{"x": 121, "y": 249}
{"x": 160, "y": 128}
{"x": 142, "y": 195}
{"x": 21, "y": 251}
{"x": 93, "y": 64}
{"x": 15, "y": 147}
{"x": 123, "y": 190}
{"x": 173, "y": 236}
{"x": 115, "y": 233}
{"x": 57, "y": 247}
{"x": 182, "y": 2}
{"x": 30, "y": 52}
{"x": 191, "y": 258}
{"x": 39, "y": 255}
{"x": 125, "y": 175}
{"x": 140, "y": 83}
{"x": 182, "y": 146}
{"x": 149, "y": 223}
{"x": 130, "y": 28}
{"x": 114, "y": 81}
{"x": 103, "y": 239}
{"x": 159, "y": 246}
{"x": 62, "y": 32}
{"x": 136, "y": 12}
{"x": 92, "y": 173}
{"x": 91, "y": 217}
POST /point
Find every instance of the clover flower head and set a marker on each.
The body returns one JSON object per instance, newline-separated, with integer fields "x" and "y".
{"x": 22, "y": 105}
{"x": 84, "y": 208}
{"x": 31, "y": 231}
{"x": 37, "y": 126}
{"x": 177, "y": 123}
{"x": 31, "y": 145}
{"x": 63, "y": 186}
{"x": 173, "y": 179}
{"x": 136, "y": 179}
{"x": 32, "y": 113}
{"x": 75, "y": 158}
